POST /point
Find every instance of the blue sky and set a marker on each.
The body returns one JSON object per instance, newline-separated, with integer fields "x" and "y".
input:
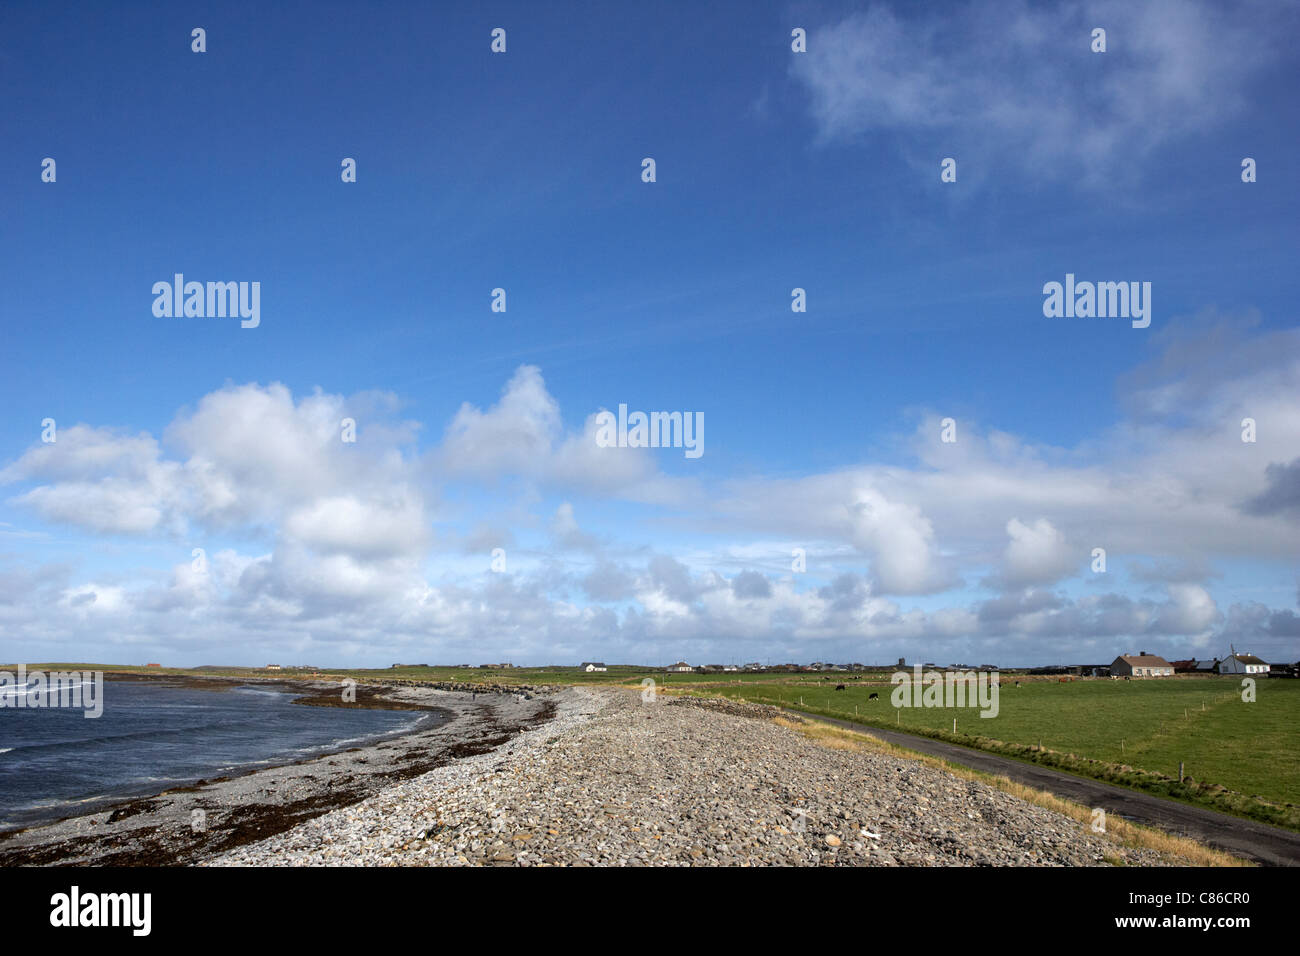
{"x": 522, "y": 170}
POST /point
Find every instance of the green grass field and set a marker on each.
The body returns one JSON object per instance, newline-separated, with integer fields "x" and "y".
{"x": 1251, "y": 748}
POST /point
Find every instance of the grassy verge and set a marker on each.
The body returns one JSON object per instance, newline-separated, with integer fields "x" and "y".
{"x": 1187, "y": 852}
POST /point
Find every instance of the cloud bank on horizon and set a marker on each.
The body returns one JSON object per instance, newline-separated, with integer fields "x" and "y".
{"x": 982, "y": 547}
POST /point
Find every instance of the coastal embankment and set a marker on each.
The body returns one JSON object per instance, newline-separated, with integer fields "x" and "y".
{"x": 615, "y": 779}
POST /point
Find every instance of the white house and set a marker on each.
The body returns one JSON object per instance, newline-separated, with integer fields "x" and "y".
{"x": 1242, "y": 664}
{"x": 681, "y": 667}
{"x": 593, "y": 666}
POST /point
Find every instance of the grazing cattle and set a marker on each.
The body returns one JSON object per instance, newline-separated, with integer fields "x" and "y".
{"x": 1017, "y": 683}
{"x": 839, "y": 686}
{"x": 874, "y": 697}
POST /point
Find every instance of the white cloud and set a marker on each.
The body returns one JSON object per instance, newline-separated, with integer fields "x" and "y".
{"x": 323, "y": 548}
{"x": 1036, "y": 554}
{"x": 997, "y": 82}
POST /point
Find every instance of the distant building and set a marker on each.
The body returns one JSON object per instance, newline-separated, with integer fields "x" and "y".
{"x": 1141, "y": 665}
{"x": 153, "y": 665}
{"x": 592, "y": 667}
{"x": 1242, "y": 664}
{"x": 681, "y": 667}
{"x": 273, "y": 667}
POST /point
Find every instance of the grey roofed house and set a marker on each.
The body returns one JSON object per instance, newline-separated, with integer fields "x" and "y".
{"x": 590, "y": 666}
{"x": 1141, "y": 665}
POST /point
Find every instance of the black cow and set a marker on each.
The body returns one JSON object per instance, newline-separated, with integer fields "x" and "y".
{"x": 839, "y": 686}
{"x": 874, "y": 697}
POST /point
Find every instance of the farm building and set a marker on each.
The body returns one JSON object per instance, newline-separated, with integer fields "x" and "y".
{"x": 1242, "y": 664}
{"x": 681, "y": 667}
{"x": 593, "y": 666}
{"x": 1141, "y": 665}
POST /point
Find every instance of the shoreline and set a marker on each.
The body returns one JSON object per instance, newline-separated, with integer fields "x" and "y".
{"x": 183, "y": 824}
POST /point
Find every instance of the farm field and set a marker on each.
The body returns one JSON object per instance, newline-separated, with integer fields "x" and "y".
{"x": 1252, "y": 748}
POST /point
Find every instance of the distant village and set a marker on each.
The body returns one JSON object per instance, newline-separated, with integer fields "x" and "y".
{"x": 1140, "y": 664}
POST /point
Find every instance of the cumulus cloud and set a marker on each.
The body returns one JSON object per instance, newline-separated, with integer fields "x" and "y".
{"x": 1036, "y": 554}
{"x": 347, "y": 550}
{"x": 105, "y": 480}
{"x": 899, "y": 539}
{"x": 523, "y": 436}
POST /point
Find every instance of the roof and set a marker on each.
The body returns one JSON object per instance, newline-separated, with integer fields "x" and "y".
{"x": 592, "y": 664}
{"x": 1249, "y": 659}
{"x": 1144, "y": 660}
